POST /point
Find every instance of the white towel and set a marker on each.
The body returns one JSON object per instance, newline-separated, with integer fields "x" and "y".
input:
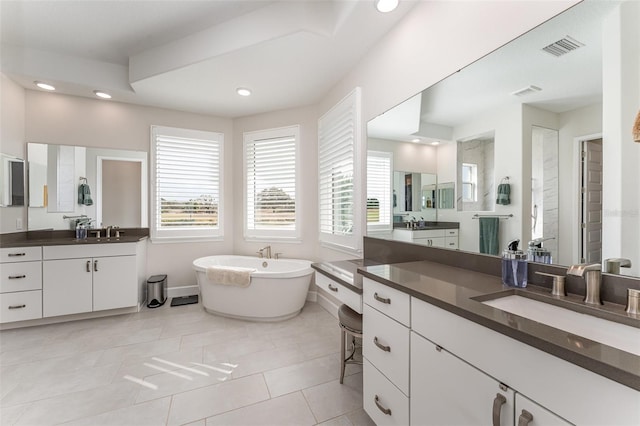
{"x": 230, "y": 275}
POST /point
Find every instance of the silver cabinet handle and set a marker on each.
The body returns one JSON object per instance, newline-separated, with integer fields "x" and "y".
{"x": 88, "y": 266}
{"x": 381, "y": 299}
{"x": 17, "y": 277}
{"x": 17, "y": 254}
{"x": 386, "y": 411}
{"x": 498, "y": 402}
{"x": 17, "y": 306}
{"x": 95, "y": 265}
{"x": 383, "y": 347}
{"x": 525, "y": 418}
{"x": 332, "y": 288}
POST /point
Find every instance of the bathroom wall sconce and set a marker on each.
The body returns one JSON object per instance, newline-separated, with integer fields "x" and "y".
{"x": 44, "y": 86}
{"x": 101, "y": 94}
{"x": 636, "y": 128}
{"x": 385, "y": 6}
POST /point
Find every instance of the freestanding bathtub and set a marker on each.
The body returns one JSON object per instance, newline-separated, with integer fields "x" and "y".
{"x": 277, "y": 291}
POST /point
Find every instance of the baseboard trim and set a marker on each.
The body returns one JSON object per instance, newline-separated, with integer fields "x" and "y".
{"x": 312, "y": 296}
{"x": 187, "y": 290}
{"x": 328, "y": 305}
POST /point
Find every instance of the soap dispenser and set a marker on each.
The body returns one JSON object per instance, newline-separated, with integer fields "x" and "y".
{"x": 537, "y": 253}
{"x": 514, "y": 265}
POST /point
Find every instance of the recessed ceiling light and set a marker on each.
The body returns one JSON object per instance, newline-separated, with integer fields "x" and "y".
{"x": 101, "y": 94}
{"x": 435, "y": 143}
{"x": 243, "y": 91}
{"x": 416, "y": 140}
{"x": 385, "y": 6}
{"x": 44, "y": 86}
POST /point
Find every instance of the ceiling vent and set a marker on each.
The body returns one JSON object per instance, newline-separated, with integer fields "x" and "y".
{"x": 563, "y": 46}
{"x": 526, "y": 91}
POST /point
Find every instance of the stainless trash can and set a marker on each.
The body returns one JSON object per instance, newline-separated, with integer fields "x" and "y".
{"x": 156, "y": 291}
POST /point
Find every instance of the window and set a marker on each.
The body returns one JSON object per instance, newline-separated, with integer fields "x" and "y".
{"x": 271, "y": 208}
{"x": 379, "y": 184}
{"x": 339, "y": 179}
{"x": 469, "y": 182}
{"x": 186, "y": 184}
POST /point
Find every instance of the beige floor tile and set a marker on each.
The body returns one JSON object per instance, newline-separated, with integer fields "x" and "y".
{"x": 291, "y": 409}
{"x": 359, "y": 417}
{"x": 258, "y": 362}
{"x": 332, "y": 399}
{"x": 10, "y": 415}
{"x": 217, "y": 399}
{"x": 136, "y": 353}
{"x": 153, "y": 365}
{"x": 151, "y": 413}
{"x": 337, "y": 421}
{"x": 201, "y": 422}
{"x": 303, "y": 375}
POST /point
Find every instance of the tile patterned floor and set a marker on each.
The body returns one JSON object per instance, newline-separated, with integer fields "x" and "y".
{"x": 177, "y": 366}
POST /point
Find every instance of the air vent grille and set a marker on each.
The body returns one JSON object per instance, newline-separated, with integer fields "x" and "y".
{"x": 526, "y": 91}
{"x": 563, "y": 46}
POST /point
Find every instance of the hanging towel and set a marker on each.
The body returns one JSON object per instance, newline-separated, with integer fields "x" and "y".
{"x": 230, "y": 275}
{"x": 504, "y": 192}
{"x": 489, "y": 227}
{"x": 84, "y": 195}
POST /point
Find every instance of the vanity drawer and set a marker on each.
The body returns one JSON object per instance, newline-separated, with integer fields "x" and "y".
{"x": 451, "y": 232}
{"x": 21, "y": 276}
{"x": 377, "y": 388}
{"x": 387, "y": 300}
{"x": 428, "y": 233}
{"x": 20, "y": 306}
{"x": 385, "y": 343}
{"x": 83, "y": 250}
{"x": 451, "y": 242}
{"x": 20, "y": 254}
{"x": 340, "y": 292}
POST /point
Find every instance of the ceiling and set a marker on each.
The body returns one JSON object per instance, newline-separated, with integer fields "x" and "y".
{"x": 568, "y": 82}
{"x": 191, "y": 55}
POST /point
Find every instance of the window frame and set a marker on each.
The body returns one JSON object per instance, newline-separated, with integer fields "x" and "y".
{"x": 473, "y": 182}
{"x": 282, "y": 235}
{"x": 388, "y": 207}
{"x": 160, "y": 235}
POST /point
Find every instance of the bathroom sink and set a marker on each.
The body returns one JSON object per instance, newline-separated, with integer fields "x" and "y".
{"x": 610, "y": 333}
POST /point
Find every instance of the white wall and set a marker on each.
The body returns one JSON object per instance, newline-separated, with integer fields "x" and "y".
{"x": 407, "y": 156}
{"x": 12, "y": 143}
{"x": 70, "y": 120}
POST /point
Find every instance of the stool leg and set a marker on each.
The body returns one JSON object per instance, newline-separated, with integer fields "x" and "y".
{"x": 343, "y": 337}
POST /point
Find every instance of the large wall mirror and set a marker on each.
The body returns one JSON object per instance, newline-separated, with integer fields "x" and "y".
{"x": 503, "y": 137}
{"x": 12, "y": 187}
{"x": 98, "y": 186}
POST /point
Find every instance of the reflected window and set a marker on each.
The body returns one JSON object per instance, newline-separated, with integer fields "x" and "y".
{"x": 379, "y": 182}
{"x": 469, "y": 182}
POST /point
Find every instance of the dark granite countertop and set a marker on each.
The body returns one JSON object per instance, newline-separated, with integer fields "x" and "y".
{"x": 429, "y": 225}
{"x": 59, "y": 238}
{"x": 456, "y": 290}
{"x": 344, "y": 272}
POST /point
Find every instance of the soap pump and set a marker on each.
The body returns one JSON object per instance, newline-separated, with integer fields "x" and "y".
{"x": 537, "y": 253}
{"x": 514, "y": 265}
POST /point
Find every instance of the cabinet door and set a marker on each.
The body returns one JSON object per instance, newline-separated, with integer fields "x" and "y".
{"x": 447, "y": 391}
{"x": 66, "y": 287}
{"x": 115, "y": 282}
{"x": 531, "y": 414}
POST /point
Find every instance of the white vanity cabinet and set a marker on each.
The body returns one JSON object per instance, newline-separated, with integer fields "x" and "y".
{"x": 528, "y": 413}
{"x": 385, "y": 347}
{"x": 20, "y": 284}
{"x": 78, "y": 279}
{"x": 447, "y": 238}
{"x": 447, "y": 391}
{"x": 340, "y": 292}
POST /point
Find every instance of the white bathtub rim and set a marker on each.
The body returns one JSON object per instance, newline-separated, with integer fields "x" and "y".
{"x": 302, "y": 266}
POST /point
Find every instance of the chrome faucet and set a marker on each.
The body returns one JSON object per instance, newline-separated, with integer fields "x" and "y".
{"x": 613, "y": 265}
{"x": 108, "y": 231}
{"x": 592, "y": 274}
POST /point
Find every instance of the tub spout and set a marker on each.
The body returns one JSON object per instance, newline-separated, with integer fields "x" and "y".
{"x": 265, "y": 251}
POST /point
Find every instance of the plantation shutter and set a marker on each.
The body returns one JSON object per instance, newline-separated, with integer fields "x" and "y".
{"x": 187, "y": 189}
{"x": 339, "y": 189}
{"x": 271, "y": 194}
{"x": 379, "y": 178}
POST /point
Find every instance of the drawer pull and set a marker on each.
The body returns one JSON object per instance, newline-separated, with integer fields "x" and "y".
{"x": 17, "y": 254}
{"x": 16, "y": 277}
{"x": 381, "y": 299}
{"x": 17, "y": 306}
{"x": 525, "y": 418}
{"x": 386, "y": 411}
{"x": 383, "y": 347}
{"x": 332, "y": 288}
{"x": 95, "y": 265}
{"x": 498, "y": 402}
{"x": 88, "y": 266}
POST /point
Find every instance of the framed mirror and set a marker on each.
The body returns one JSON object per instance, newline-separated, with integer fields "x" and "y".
{"x": 533, "y": 103}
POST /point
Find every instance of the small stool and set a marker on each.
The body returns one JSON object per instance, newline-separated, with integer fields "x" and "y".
{"x": 350, "y": 324}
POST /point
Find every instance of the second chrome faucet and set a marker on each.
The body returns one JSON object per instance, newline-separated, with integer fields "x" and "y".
{"x": 592, "y": 274}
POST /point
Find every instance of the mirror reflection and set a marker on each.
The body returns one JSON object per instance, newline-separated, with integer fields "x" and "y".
{"x": 11, "y": 181}
{"x": 506, "y": 135}
{"x": 94, "y": 186}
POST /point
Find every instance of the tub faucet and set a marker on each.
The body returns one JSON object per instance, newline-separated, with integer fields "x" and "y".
{"x": 591, "y": 272}
{"x": 261, "y": 252}
{"x": 613, "y": 266}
